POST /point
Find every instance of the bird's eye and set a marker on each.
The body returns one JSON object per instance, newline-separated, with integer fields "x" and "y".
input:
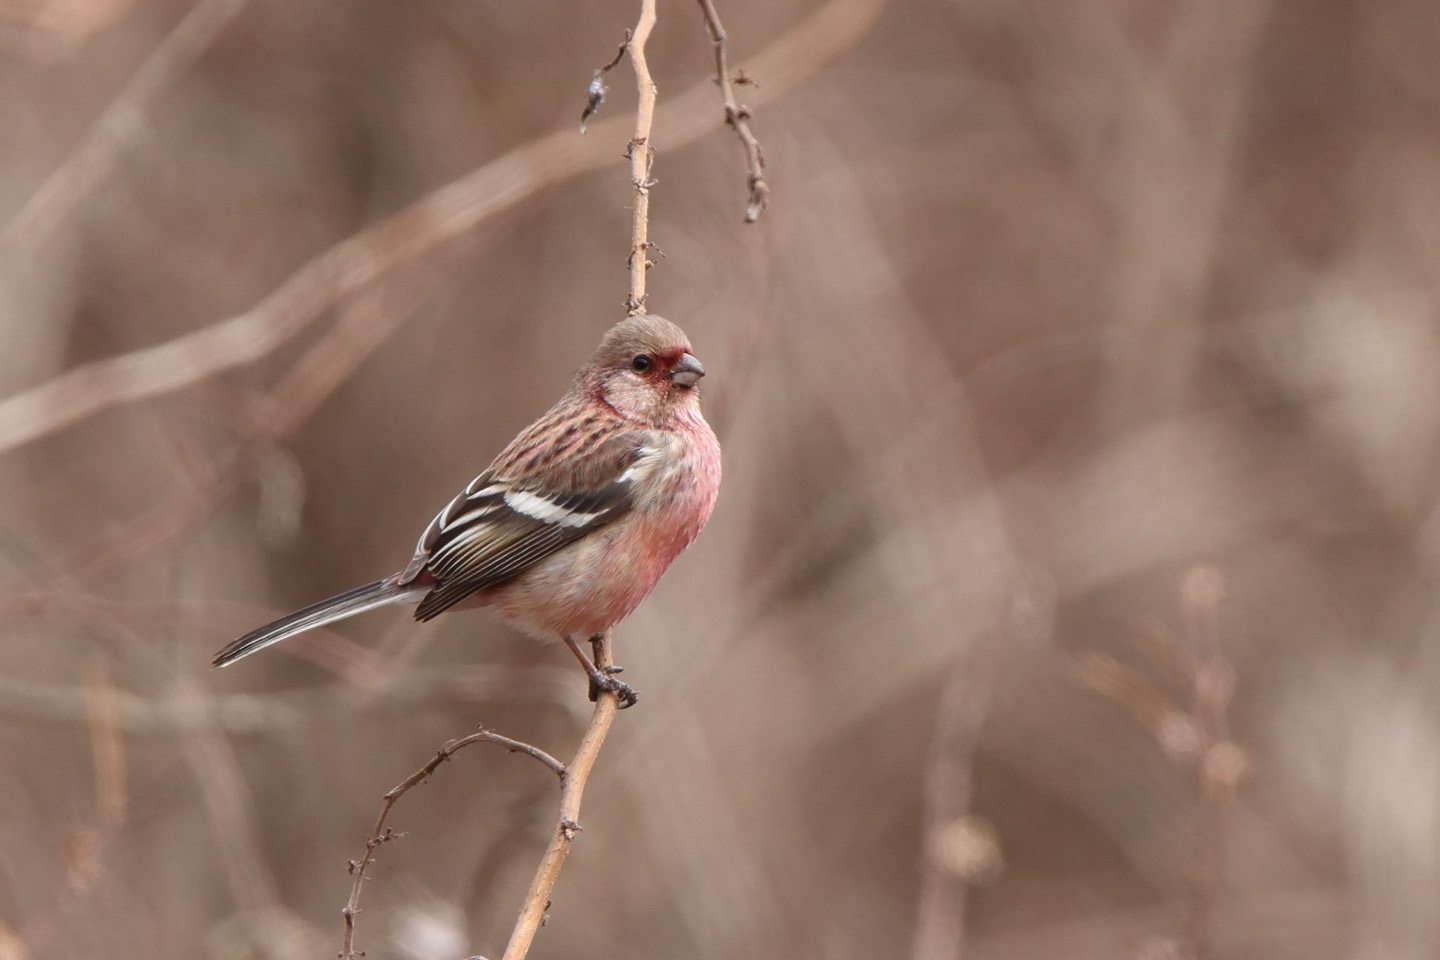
{"x": 640, "y": 363}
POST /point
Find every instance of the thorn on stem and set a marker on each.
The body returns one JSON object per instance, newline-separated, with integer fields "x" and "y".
{"x": 629, "y": 153}
{"x": 759, "y": 198}
{"x": 647, "y": 246}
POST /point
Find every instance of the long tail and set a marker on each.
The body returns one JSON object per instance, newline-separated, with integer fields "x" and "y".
{"x": 338, "y": 607}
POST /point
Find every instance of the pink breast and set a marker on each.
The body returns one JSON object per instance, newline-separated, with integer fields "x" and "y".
{"x": 593, "y": 584}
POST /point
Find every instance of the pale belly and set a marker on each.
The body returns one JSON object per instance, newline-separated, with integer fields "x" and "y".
{"x": 582, "y": 590}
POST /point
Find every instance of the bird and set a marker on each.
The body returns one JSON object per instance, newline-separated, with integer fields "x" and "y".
{"x": 575, "y": 521}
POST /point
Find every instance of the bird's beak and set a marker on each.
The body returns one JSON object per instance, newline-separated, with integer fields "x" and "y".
{"x": 687, "y": 371}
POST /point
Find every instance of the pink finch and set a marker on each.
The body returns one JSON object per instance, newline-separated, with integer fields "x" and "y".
{"x": 574, "y": 522}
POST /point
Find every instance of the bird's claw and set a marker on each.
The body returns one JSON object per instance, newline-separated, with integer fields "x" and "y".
{"x": 606, "y": 683}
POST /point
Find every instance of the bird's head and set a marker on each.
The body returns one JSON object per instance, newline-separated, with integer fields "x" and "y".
{"x": 645, "y": 369}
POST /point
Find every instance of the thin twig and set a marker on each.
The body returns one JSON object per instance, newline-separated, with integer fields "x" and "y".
{"x": 738, "y": 117}
{"x": 537, "y": 900}
{"x": 440, "y": 216}
{"x": 642, "y": 156}
{"x": 382, "y": 834}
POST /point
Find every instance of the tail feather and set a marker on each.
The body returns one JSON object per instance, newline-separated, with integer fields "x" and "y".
{"x": 338, "y": 607}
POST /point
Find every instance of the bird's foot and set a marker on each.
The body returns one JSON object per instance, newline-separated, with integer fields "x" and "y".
{"x": 603, "y": 681}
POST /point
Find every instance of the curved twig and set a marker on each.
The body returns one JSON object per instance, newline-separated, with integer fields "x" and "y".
{"x": 738, "y": 116}
{"x": 382, "y": 834}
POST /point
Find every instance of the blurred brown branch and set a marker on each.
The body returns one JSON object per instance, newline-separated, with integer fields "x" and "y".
{"x": 85, "y": 845}
{"x": 440, "y": 216}
{"x": 273, "y": 713}
{"x": 365, "y": 323}
{"x": 382, "y": 834}
{"x": 738, "y": 117}
{"x": 121, "y": 123}
{"x": 107, "y": 747}
{"x": 1195, "y": 735}
{"x": 228, "y": 805}
{"x": 951, "y": 838}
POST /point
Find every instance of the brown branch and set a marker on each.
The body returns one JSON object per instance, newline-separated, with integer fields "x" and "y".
{"x": 1133, "y": 690}
{"x": 641, "y": 153}
{"x": 164, "y": 523}
{"x": 121, "y": 122}
{"x": 285, "y": 711}
{"x": 382, "y": 834}
{"x": 365, "y": 323}
{"x": 738, "y": 117}
{"x": 642, "y": 156}
{"x": 86, "y": 849}
{"x": 107, "y": 747}
{"x": 958, "y": 848}
{"x": 1195, "y": 736}
{"x": 85, "y": 846}
{"x": 436, "y": 218}
{"x": 537, "y": 900}
{"x": 1220, "y": 763}
{"x": 229, "y": 806}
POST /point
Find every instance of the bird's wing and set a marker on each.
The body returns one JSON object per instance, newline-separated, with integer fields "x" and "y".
{"x": 500, "y": 526}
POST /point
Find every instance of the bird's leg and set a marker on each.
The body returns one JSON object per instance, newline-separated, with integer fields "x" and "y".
{"x": 602, "y": 680}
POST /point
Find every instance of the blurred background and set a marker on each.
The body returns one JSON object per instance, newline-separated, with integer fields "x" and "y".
{"x": 1072, "y": 587}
